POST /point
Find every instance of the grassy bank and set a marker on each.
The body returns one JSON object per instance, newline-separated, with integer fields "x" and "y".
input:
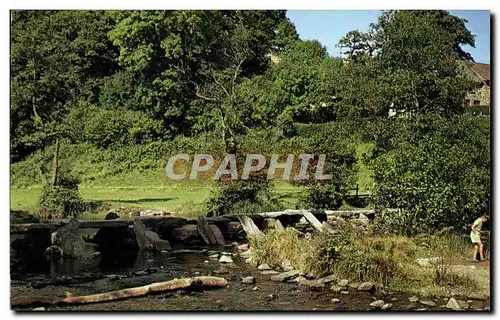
{"x": 125, "y": 179}
{"x": 429, "y": 265}
{"x": 180, "y": 198}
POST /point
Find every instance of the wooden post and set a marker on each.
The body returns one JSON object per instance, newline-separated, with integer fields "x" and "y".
{"x": 55, "y": 165}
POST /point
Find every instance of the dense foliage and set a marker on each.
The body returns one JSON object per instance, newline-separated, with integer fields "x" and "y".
{"x": 436, "y": 170}
{"x": 126, "y": 89}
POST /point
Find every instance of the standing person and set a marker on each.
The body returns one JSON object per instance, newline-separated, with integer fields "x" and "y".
{"x": 475, "y": 236}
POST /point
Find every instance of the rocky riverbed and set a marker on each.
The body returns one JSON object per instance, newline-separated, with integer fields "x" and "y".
{"x": 250, "y": 289}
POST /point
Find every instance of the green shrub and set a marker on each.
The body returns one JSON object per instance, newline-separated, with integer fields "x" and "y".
{"x": 62, "y": 200}
{"x": 436, "y": 170}
{"x": 242, "y": 196}
{"x": 105, "y": 127}
{"x": 322, "y": 196}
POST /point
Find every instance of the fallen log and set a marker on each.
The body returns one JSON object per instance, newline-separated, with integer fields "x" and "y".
{"x": 171, "y": 285}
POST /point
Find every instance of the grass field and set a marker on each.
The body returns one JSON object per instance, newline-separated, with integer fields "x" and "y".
{"x": 152, "y": 190}
{"x": 179, "y": 198}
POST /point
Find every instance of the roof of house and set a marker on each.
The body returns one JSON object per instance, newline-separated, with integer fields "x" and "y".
{"x": 480, "y": 70}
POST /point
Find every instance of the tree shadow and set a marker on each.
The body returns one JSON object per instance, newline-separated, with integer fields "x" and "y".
{"x": 145, "y": 200}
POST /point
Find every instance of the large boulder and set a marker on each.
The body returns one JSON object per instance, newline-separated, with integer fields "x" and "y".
{"x": 147, "y": 239}
{"x": 71, "y": 243}
{"x": 188, "y": 231}
{"x": 71, "y": 227}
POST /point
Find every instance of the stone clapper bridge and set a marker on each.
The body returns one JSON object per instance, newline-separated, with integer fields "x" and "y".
{"x": 64, "y": 236}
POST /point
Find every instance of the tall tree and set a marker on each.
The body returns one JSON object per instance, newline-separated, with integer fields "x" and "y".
{"x": 418, "y": 53}
{"x": 57, "y": 57}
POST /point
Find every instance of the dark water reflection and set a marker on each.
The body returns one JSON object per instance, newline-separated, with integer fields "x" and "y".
{"x": 119, "y": 262}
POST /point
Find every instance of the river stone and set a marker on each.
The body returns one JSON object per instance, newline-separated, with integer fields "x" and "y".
{"x": 226, "y": 259}
{"x": 221, "y": 271}
{"x": 377, "y": 304}
{"x": 248, "y": 261}
{"x": 453, "y": 304}
{"x": 312, "y": 283}
{"x": 39, "y": 309}
{"x": 224, "y": 253}
{"x": 463, "y": 304}
{"x": 413, "y": 299}
{"x": 214, "y": 256}
{"x": 285, "y": 275}
{"x": 271, "y": 297}
{"x": 363, "y": 219}
{"x": 366, "y": 286}
{"x": 353, "y": 285}
{"x": 393, "y": 299}
{"x": 269, "y": 272}
{"x": 264, "y": 266}
{"x": 429, "y": 303}
{"x": 337, "y": 289}
{"x": 343, "y": 283}
{"x": 298, "y": 279}
{"x": 335, "y": 300}
{"x": 344, "y": 292}
{"x": 327, "y": 279}
{"x": 426, "y": 262}
{"x": 54, "y": 251}
{"x": 248, "y": 280}
{"x": 286, "y": 266}
{"x": 246, "y": 254}
{"x": 386, "y": 306}
{"x": 243, "y": 247}
{"x": 111, "y": 215}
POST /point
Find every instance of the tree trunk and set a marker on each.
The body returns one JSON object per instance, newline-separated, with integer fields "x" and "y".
{"x": 55, "y": 165}
{"x": 175, "y": 284}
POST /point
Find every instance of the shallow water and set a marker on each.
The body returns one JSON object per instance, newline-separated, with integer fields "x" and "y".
{"x": 131, "y": 269}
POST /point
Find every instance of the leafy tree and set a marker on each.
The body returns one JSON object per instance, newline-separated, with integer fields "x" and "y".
{"x": 286, "y": 36}
{"x": 304, "y": 74}
{"x": 418, "y": 54}
{"x": 57, "y": 58}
